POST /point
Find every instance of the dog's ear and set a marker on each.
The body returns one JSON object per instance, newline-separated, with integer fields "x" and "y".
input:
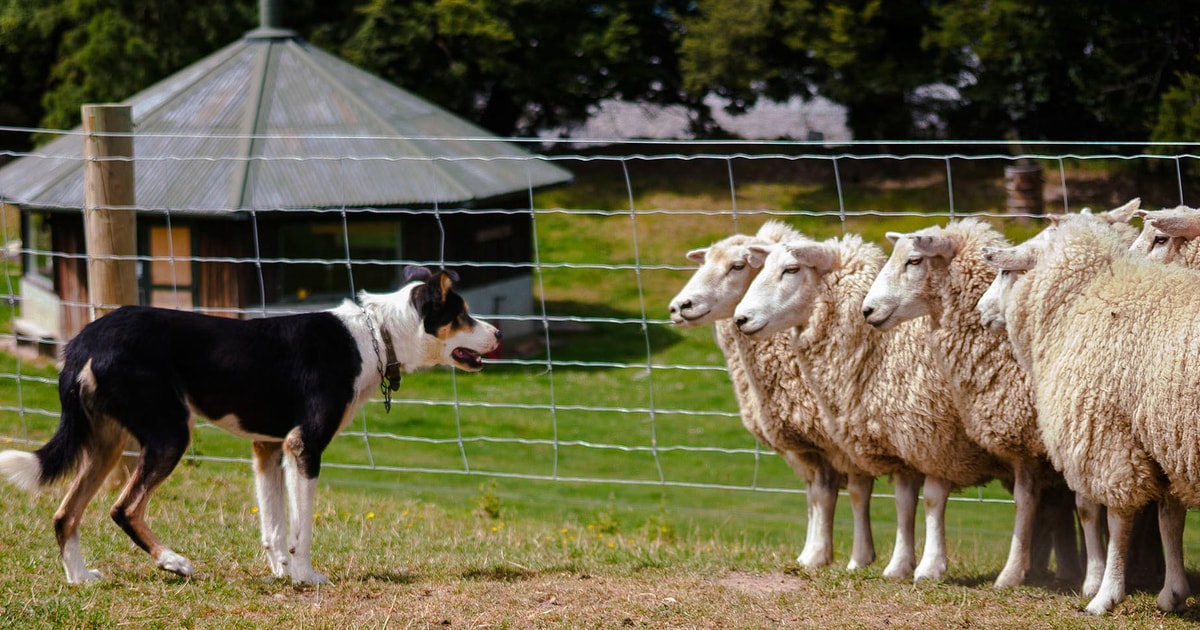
{"x": 414, "y": 272}
{"x": 444, "y": 280}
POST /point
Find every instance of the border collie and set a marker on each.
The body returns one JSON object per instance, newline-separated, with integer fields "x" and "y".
{"x": 288, "y": 383}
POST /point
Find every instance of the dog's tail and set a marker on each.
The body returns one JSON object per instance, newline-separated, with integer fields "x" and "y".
{"x": 58, "y": 457}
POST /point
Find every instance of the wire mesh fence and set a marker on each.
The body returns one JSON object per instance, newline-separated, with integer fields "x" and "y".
{"x": 594, "y": 383}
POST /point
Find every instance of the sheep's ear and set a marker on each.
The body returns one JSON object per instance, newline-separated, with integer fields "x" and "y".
{"x": 1141, "y": 214}
{"x": 1009, "y": 258}
{"x": 1124, "y": 213}
{"x": 697, "y": 255}
{"x": 892, "y": 237}
{"x": 819, "y": 256}
{"x": 756, "y": 255}
{"x": 1174, "y": 223}
{"x": 930, "y": 245}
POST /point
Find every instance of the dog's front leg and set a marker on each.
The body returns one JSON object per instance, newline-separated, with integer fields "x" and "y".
{"x": 300, "y": 491}
{"x": 268, "y": 486}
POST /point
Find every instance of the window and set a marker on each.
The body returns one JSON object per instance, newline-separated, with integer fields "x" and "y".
{"x": 327, "y": 280}
{"x": 39, "y": 263}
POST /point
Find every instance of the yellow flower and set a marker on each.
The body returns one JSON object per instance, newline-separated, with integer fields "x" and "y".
{"x": 254, "y": 510}
{"x": 370, "y": 515}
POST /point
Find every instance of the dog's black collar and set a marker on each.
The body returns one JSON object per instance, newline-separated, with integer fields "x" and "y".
{"x": 389, "y": 372}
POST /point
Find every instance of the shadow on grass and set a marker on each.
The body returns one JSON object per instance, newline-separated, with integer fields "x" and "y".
{"x": 392, "y": 577}
{"x": 604, "y": 334}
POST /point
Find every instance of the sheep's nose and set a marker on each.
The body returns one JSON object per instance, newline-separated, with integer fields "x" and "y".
{"x": 682, "y": 306}
{"x": 867, "y": 310}
{"x": 741, "y": 321}
{"x": 498, "y": 335}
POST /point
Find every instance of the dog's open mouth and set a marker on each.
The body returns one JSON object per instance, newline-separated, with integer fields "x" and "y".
{"x": 467, "y": 358}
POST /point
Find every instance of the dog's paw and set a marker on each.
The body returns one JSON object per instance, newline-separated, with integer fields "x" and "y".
{"x": 175, "y": 563}
{"x": 308, "y": 578}
{"x": 87, "y": 576}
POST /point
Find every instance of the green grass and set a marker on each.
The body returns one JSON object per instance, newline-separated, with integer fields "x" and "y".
{"x": 423, "y": 547}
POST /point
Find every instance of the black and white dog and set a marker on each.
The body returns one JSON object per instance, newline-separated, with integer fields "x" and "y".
{"x": 288, "y": 383}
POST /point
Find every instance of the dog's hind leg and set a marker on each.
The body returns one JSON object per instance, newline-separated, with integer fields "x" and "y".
{"x": 272, "y": 517}
{"x": 161, "y": 452}
{"x": 300, "y": 490}
{"x": 100, "y": 457}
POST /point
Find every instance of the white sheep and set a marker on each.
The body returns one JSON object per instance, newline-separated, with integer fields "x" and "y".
{"x": 938, "y": 274}
{"x": 1110, "y": 340}
{"x": 881, "y": 393}
{"x": 775, "y": 404}
{"x": 1169, "y": 236}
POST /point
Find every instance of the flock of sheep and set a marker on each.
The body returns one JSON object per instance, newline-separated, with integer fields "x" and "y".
{"x": 1069, "y": 361}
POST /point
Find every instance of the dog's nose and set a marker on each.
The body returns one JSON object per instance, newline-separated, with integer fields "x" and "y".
{"x": 867, "y": 310}
{"x": 741, "y": 321}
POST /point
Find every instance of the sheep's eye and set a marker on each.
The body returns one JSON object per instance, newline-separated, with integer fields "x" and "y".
{"x": 1160, "y": 240}
{"x": 1004, "y": 273}
{"x": 913, "y": 262}
{"x": 791, "y": 269}
{"x": 737, "y": 265}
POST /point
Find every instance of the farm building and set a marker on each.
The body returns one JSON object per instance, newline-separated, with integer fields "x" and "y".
{"x": 257, "y": 165}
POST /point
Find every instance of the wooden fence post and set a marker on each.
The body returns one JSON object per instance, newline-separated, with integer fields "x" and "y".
{"x": 109, "y": 222}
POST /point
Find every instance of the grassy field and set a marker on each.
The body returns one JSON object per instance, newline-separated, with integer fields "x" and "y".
{"x": 477, "y": 545}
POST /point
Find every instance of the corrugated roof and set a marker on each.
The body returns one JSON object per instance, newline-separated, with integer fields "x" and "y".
{"x": 271, "y": 121}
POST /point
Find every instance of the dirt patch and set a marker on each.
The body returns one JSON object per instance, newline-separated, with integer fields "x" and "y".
{"x": 762, "y": 583}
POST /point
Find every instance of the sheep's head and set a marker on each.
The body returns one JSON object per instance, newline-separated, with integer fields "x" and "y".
{"x": 1010, "y": 263}
{"x": 782, "y": 295}
{"x": 903, "y": 289}
{"x": 1166, "y": 232}
{"x": 725, "y": 272}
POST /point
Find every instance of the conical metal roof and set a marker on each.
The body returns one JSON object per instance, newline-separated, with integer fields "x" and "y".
{"x": 271, "y": 121}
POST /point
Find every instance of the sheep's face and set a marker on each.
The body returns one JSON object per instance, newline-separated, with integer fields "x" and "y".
{"x": 782, "y": 295}
{"x": 1011, "y": 263}
{"x": 904, "y": 288}
{"x": 1166, "y": 232}
{"x": 726, "y": 270}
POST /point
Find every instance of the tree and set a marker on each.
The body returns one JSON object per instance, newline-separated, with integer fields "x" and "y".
{"x": 864, "y": 54}
{"x": 517, "y": 66}
{"x": 1178, "y": 117}
{"x": 1070, "y": 71}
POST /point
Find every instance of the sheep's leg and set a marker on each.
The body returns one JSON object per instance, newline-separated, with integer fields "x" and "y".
{"x": 903, "y": 555}
{"x": 1058, "y": 504}
{"x": 1112, "y": 587}
{"x": 1025, "y": 496}
{"x": 933, "y": 559}
{"x": 822, "y": 501}
{"x": 863, "y": 553}
{"x": 1092, "y": 521}
{"x": 1175, "y": 590}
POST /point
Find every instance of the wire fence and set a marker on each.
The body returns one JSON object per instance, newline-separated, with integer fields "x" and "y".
{"x": 594, "y": 384}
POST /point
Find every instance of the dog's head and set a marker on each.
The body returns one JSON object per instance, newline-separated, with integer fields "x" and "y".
{"x": 451, "y": 335}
